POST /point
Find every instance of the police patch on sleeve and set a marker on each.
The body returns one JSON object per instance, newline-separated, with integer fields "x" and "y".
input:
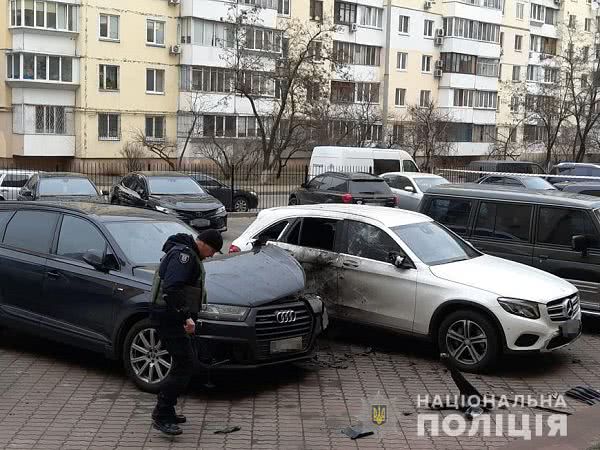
{"x": 184, "y": 258}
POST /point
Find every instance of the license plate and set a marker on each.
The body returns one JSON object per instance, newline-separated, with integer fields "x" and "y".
{"x": 570, "y": 328}
{"x": 287, "y": 345}
{"x": 376, "y": 203}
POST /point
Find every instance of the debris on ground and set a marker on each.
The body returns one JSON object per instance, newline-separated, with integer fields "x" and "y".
{"x": 357, "y": 432}
{"x": 584, "y": 394}
{"x": 228, "y": 430}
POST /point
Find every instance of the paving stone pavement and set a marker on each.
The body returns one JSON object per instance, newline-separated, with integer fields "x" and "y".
{"x": 56, "y": 397}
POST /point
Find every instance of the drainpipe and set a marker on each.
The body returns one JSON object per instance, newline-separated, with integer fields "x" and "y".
{"x": 386, "y": 72}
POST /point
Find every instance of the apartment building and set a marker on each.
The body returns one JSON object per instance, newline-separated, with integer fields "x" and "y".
{"x": 82, "y": 79}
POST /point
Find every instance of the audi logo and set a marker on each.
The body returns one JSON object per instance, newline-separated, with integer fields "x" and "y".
{"x": 288, "y": 316}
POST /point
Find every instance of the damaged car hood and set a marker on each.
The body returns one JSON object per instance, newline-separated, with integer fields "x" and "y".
{"x": 505, "y": 279}
{"x": 252, "y": 278}
{"x": 186, "y": 202}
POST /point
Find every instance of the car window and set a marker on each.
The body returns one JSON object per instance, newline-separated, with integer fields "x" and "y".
{"x": 403, "y": 182}
{"x": 454, "y": 213}
{"x": 67, "y": 186}
{"x": 595, "y": 193}
{"x": 273, "y": 232}
{"x": 385, "y": 165}
{"x": 314, "y": 232}
{"x": 316, "y": 182}
{"x": 5, "y": 216}
{"x": 493, "y": 180}
{"x": 31, "y": 183}
{"x": 128, "y": 181}
{"x": 503, "y": 221}
{"x": 207, "y": 181}
{"x": 565, "y": 170}
{"x": 556, "y": 226}
{"x": 337, "y": 185}
{"x": 595, "y": 172}
{"x": 15, "y": 180}
{"x": 370, "y": 187}
{"x": 367, "y": 241}
{"x": 31, "y": 230}
{"x": 78, "y": 237}
{"x": 326, "y": 183}
{"x": 427, "y": 183}
{"x": 512, "y": 182}
{"x": 409, "y": 166}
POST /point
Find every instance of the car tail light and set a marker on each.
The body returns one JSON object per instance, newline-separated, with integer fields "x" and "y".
{"x": 234, "y": 249}
{"x": 396, "y": 201}
{"x": 347, "y": 198}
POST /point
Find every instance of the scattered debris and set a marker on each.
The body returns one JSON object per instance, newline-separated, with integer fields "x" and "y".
{"x": 576, "y": 361}
{"x": 584, "y": 394}
{"x": 228, "y": 430}
{"x": 357, "y": 432}
{"x": 406, "y": 413}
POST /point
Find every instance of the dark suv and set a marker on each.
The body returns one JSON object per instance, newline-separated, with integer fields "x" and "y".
{"x": 336, "y": 187}
{"x": 578, "y": 170}
{"x": 81, "y": 273}
{"x": 554, "y": 231}
{"x": 61, "y": 186}
{"x": 501, "y": 166}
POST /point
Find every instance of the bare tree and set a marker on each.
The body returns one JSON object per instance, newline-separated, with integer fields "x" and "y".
{"x": 228, "y": 154}
{"x": 165, "y": 149}
{"x": 134, "y": 155}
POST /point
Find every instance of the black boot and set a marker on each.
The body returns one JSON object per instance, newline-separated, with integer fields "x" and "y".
{"x": 180, "y": 418}
{"x": 177, "y": 418}
{"x": 166, "y": 427}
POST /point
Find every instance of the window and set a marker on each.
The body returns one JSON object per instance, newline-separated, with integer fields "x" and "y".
{"x": 516, "y": 73}
{"x": 39, "y": 67}
{"x": 585, "y": 53}
{"x": 367, "y": 92}
{"x": 371, "y": 17}
{"x": 78, "y": 237}
{"x": 459, "y": 63}
{"x": 484, "y": 133}
{"x": 316, "y": 10}
{"x": 108, "y": 78}
{"x": 556, "y": 226}
{"x": 370, "y": 242}
{"x": 487, "y": 67}
{"x": 14, "y": 181}
{"x": 550, "y": 17}
{"x": 50, "y": 119}
{"x": 314, "y": 233}
{"x": 155, "y": 128}
{"x": 537, "y": 12}
{"x": 518, "y": 42}
{"x": 207, "y": 79}
{"x": 463, "y": 97}
{"x": 471, "y": 29}
{"x": 350, "y": 53}
{"x": 426, "y": 63}
{"x": 155, "y": 32}
{"x": 345, "y": 13}
{"x": 261, "y": 39}
{"x": 550, "y": 75}
{"x": 109, "y": 27}
{"x": 31, "y": 231}
{"x": 283, "y": 7}
{"x": 273, "y": 232}
{"x": 403, "y": 25}
{"x": 211, "y": 34}
{"x": 43, "y": 14}
{"x": 503, "y": 221}
{"x": 428, "y": 28}
{"x": 572, "y": 21}
{"x": 155, "y": 81}
{"x": 520, "y": 10}
{"x": 424, "y": 98}
{"x": 486, "y": 99}
{"x": 454, "y": 213}
{"x": 588, "y": 24}
{"x": 28, "y": 16}
{"x": 534, "y": 133}
{"x": 109, "y": 127}
{"x": 401, "y": 59}
{"x": 514, "y": 103}
{"x": 400, "y": 97}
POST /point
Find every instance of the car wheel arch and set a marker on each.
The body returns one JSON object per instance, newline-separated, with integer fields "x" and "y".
{"x": 451, "y": 306}
{"x": 122, "y": 331}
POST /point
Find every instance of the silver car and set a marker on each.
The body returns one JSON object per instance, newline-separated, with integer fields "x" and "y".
{"x": 11, "y": 181}
{"x": 410, "y": 187}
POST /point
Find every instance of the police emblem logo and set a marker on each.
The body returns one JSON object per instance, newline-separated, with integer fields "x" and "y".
{"x": 378, "y": 414}
{"x": 184, "y": 258}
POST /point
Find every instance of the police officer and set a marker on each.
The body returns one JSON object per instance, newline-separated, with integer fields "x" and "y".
{"x": 178, "y": 293}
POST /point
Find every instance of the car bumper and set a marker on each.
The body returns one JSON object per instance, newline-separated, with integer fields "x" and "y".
{"x": 217, "y": 222}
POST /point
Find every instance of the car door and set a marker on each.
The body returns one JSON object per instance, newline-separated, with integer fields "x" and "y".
{"x": 314, "y": 242}
{"x": 503, "y": 229}
{"x": 372, "y": 289}
{"x": 406, "y": 199}
{"x": 216, "y": 189}
{"x": 26, "y": 244}
{"x": 311, "y": 194}
{"x": 553, "y": 252}
{"x": 79, "y": 300}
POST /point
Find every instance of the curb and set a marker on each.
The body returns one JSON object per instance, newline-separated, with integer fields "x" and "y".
{"x": 239, "y": 215}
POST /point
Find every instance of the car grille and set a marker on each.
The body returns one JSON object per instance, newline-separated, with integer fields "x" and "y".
{"x": 187, "y": 216}
{"x": 268, "y": 329}
{"x": 559, "y": 310}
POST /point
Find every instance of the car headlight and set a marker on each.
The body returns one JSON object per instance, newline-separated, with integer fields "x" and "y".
{"x": 315, "y": 302}
{"x": 521, "y": 308}
{"x": 220, "y": 210}
{"x": 254, "y": 194}
{"x": 213, "y": 311}
{"x": 162, "y": 209}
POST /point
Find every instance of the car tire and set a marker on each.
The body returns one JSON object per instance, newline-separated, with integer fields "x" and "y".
{"x": 293, "y": 201}
{"x": 241, "y": 204}
{"x": 140, "y": 367}
{"x": 469, "y": 356}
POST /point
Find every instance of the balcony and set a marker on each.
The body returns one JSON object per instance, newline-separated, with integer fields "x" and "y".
{"x": 42, "y": 71}
{"x": 223, "y": 11}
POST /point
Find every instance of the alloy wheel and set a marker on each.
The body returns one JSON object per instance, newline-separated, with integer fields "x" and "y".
{"x": 149, "y": 360}
{"x": 466, "y": 341}
{"x": 240, "y": 205}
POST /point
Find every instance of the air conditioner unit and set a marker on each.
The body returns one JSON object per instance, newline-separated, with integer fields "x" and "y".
{"x": 174, "y": 2}
{"x": 438, "y": 73}
{"x": 427, "y": 5}
{"x": 175, "y": 49}
{"x": 438, "y": 41}
{"x": 439, "y": 32}
{"x": 439, "y": 64}
{"x": 557, "y": 2}
{"x": 353, "y": 27}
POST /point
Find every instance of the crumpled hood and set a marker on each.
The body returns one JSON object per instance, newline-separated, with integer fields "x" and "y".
{"x": 187, "y": 202}
{"x": 247, "y": 279}
{"x": 505, "y": 279}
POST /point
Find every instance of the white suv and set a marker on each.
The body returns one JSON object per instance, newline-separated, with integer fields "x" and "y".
{"x": 402, "y": 271}
{"x": 11, "y": 181}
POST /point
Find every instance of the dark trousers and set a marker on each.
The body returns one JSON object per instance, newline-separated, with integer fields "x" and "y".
{"x": 179, "y": 346}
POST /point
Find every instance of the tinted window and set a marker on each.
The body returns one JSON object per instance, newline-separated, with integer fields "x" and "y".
{"x": 273, "y": 232}
{"x": 427, "y": 183}
{"x": 337, "y": 185}
{"x": 370, "y": 187}
{"x": 173, "y": 186}
{"x": 556, "y": 226}
{"x": 512, "y": 182}
{"x": 368, "y": 241}
{"x": 594, "y": 193}
{"x": 493, "y": 180}
{"x": 454, "y": 213}
{"x": 128, "y": 181}
{"x": 15, "y": 181}
{"x": 403, "y": 182}
{"x": 385, "y": 165}
{"x": 326, "y": 183}
{"x": 409, "y": 166}
{"x": 4, "y": 218}
{"x": 31, "y": 230}
{"x": 77, "y": 237}
{"x": 316, "y": 182}
{"x": 503, "y": 221}
{"x": 314, "y": 233}
{"x": 66, "y": 186}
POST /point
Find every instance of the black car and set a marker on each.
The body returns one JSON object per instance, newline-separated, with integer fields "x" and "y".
{"x": 580, "y": 170}
{"x": 336, "y": 187}
{"x": 61, "y": 186}
{"x": 171, "y": 193}
{"x": 243, "y": 200}
{"x": 527, "y": 182}
{"x": 81, "y": 273}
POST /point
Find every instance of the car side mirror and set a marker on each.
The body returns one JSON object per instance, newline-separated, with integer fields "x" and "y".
{"x": 401, "y": 262}
{"x": 409, "y": 189}
{"x": 26, "y": 193}
{"x": 96, "y": 261}
{"x": 579, "y": 243}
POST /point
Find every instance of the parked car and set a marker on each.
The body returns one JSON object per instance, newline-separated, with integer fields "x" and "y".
{"x": 171, "y": 193}
{"x": 580, "y": 170}
{"x": 61, "y": 186}
{"x": 402, "y": 271}
{"x": 11, "y": 182}
{"x": 359, "y": 159}
{"x": 409, "y": 187}
{"x": 551, "y": 230}
{"x": 502, "y": 166}
{"x": 82, "y": 274}
{"x": 243, "y": 200}
{"x": 526, "y": 182}
{"x": 336, "y": 187}
{"x": 584, "y": 188}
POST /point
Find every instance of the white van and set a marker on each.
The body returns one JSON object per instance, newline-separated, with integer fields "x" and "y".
{"x": 358, "y": 159}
